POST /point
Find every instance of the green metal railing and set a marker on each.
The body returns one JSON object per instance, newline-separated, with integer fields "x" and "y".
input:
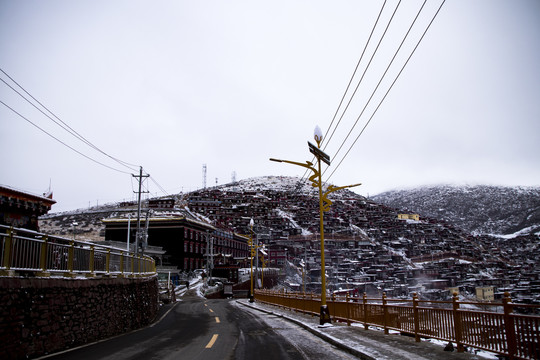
{"x": 502, "y": 329}
{"x": 30, "y": 252}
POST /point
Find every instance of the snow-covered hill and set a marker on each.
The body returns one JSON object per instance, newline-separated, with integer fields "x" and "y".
{"x": 364, "y": 238}
{"x": 278, "y": 204}
{"x": 477, "y": 209}
{"x": 290, "y": 184}
{"x": 275, "y": 183}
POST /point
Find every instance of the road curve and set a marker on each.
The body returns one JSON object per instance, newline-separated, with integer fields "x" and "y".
{"x": 196, "y": 328}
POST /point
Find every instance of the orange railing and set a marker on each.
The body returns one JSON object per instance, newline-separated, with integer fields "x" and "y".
{"x": 498, "y": 327}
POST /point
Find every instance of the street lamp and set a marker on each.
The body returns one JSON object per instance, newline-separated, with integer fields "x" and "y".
{"x": 263, "y": 261}
{"x": 251, "y": 253}
{"x": 74, "y": 225}
{"x": 303, "y": 266}
{"x": 324, "y": 205}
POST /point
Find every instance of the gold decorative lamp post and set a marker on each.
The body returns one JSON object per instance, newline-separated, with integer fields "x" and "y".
{"x": 262, "y": 249}
{"x": 251, "y": 254}
{"x": 263, "y": 261}
{"x": 324, "y": 205}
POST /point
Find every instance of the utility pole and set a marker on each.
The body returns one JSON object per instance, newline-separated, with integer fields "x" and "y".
{"x": 209, "y": 255}
{"x": 139, "y": 234}
{"x": 144, "y": 236}
{"x": 129, "y": 231}
{"x": 204, "y": 176}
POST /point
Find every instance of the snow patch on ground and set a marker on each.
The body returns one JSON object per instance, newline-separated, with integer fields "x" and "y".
{"x": 482, "y": 353}
{"x": 290, "y": 217}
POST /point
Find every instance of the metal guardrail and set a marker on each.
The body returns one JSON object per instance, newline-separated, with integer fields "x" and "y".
{"x": 26, "y": 251}
{"x": 503, "y": 331}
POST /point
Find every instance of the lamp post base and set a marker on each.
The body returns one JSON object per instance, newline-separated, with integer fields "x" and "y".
{"x": 325, "y": 315}
{"x": 251, "y": 298}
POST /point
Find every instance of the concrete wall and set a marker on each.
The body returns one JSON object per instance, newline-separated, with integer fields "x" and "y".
{"x": 44, "y": 315}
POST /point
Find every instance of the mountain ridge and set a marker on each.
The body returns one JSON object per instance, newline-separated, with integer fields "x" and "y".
{"x": 478, "y": 209}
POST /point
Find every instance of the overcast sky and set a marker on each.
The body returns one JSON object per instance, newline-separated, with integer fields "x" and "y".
{"x": 173, "y": 85}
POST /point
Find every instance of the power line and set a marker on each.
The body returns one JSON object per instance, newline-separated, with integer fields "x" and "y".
{"x": 159, "y": 186}
{"x": 60, "y": 141}
{"x": 390, "y": 88}
{"x": 366, "y": 69}
{"x": 63, "y": 125}
{"x": 70, "y": 130}
{"x": 325, "y": 140}
{"x": 381, "y": 79}
{"x": 67, "y": 128}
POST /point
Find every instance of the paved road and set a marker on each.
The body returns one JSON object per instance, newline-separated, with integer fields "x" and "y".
{"x": 197, "y": 328}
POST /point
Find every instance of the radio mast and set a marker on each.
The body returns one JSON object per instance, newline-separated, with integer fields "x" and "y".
{"x": 204, "y": 176}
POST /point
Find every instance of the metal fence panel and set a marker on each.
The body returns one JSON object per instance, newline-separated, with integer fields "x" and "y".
{"x": 29, "y": 251}
{"x": 507, "y": 333}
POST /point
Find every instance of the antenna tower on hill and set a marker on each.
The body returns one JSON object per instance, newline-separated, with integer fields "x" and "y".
{"x": 204, "y": 176}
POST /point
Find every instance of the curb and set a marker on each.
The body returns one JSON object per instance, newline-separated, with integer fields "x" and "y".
{"x": 315, "y": 332}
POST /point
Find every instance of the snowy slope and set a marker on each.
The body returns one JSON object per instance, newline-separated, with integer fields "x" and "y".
{"x": 292, "y": 184}
{"x": 478, "y": 209}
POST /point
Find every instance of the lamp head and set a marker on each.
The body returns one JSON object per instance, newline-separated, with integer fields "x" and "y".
{"x": 318, "y": 135}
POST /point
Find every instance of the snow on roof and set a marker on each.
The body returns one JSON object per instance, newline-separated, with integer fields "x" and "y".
{"x": 164, "y": 215}
{"x": 26, "y": 193}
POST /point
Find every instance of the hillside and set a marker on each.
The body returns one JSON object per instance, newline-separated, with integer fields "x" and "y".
{"x": 367, "y": 246}
{"x": 278, "y": 204}
{"x": 476, "y": 209}
{"x": 365, "y": 240}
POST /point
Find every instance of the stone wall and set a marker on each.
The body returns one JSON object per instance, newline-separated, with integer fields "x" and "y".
{"x": 43, "y": 315}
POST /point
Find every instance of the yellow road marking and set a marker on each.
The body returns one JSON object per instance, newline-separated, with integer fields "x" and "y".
{"x": 212, "y": 341}
{"x": 205, "y": 304}
{"x": 217, "y": 319}
{"x": 211, "y": 310}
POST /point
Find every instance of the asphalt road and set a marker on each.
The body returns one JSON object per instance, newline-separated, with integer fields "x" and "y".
{"x": 196, "y": 328}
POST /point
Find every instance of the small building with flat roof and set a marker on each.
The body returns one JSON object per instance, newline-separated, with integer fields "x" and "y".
{"x": 188, "y": 240}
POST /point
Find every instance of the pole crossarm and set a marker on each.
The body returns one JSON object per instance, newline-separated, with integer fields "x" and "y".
{"x": 308, "y": 165}
{"x": 315, "y": 181}
{"x": 331, "y": 188}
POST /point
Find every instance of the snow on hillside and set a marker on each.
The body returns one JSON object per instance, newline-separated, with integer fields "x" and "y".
{"x": 285, "y": 184}
{"x": 275, "y": 183}
{"x": 478, "y": 209}
{"x": 289, "y": 216}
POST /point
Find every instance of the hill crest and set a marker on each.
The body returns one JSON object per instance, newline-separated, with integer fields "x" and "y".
{"x": 478, "y": 209}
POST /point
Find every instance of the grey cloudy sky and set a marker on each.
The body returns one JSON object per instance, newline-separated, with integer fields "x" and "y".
{"x": 173, "y": 85}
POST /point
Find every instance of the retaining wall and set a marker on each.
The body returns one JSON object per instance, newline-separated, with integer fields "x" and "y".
{"x": 44, "y": 315}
